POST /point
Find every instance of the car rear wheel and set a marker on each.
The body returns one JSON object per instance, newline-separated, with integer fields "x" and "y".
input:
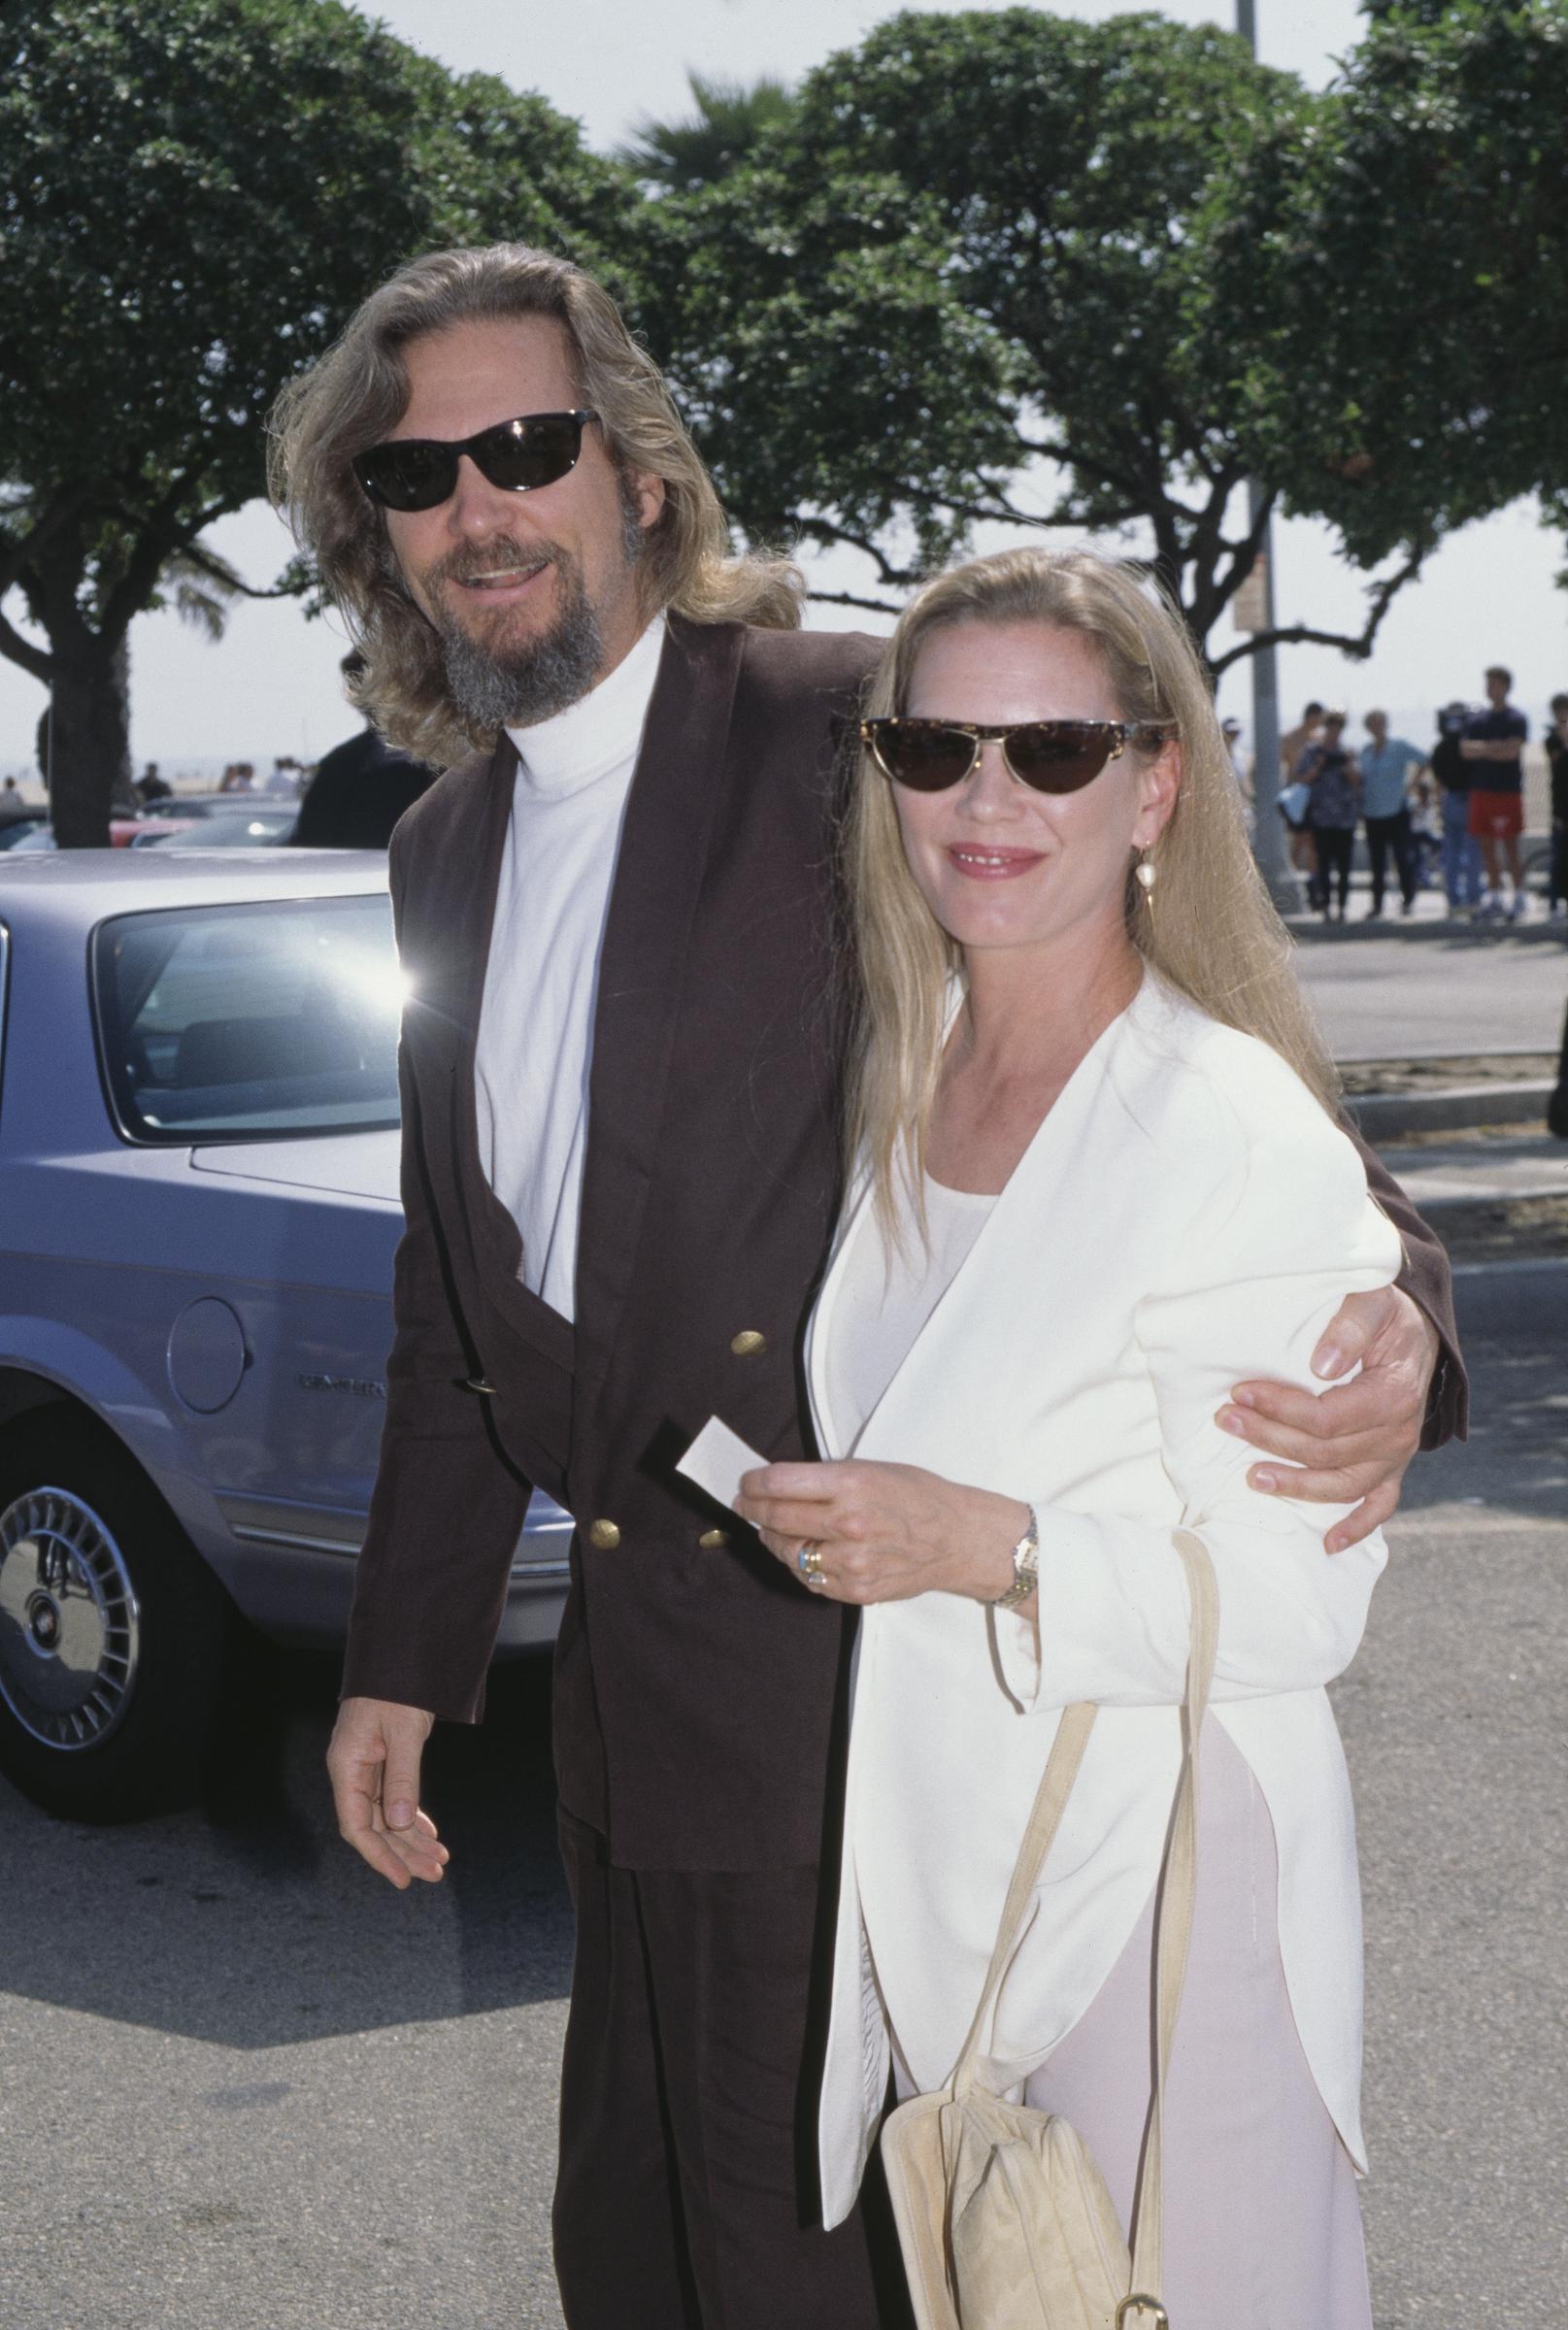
{"x": 117, "y": 1641}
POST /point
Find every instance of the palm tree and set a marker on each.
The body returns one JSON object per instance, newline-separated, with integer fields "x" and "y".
{"x": 729, "y": 120}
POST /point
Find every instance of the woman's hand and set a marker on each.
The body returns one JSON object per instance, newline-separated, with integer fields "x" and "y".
{"x": 885, "y": 1532}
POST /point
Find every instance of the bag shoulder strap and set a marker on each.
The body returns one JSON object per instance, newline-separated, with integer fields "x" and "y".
{"x": 1177, "y": 1886}
{"x": 1051, "y": 1802}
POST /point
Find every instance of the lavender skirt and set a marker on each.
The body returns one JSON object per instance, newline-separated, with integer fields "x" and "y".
{"x": 1262, "y": 2222}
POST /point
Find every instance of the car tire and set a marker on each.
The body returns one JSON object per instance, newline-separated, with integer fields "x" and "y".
{"x": 118, "y": 1645}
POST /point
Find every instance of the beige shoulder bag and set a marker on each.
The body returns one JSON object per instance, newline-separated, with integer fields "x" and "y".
{"x": 1003, "y": 2218}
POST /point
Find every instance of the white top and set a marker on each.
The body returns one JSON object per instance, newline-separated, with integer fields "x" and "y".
{"x": 535, "y": 1046}
{"x": 888, "y": 1297}
{"x": 1185, "y": 1216}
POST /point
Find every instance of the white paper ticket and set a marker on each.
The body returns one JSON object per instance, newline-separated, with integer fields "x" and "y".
{"x": 716, "y": 1460}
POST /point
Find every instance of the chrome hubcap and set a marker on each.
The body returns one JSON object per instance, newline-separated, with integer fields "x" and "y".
{"x": 68, "y": 1623}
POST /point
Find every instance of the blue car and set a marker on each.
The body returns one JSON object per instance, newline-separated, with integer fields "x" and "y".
{"x": 198, "y": 1212}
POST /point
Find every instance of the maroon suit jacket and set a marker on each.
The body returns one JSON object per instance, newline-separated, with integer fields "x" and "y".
{"x": 695, "y": 1685}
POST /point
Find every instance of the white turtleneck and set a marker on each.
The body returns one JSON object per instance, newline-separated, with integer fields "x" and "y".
{"x": 536, "y": 1022}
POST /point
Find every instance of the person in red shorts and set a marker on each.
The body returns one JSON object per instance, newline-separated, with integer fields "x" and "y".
{"x": 1496, "y": 739}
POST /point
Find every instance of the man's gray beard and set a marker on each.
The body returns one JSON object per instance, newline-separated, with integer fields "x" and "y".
{"x": 518, "y": 687}
{"x": 530, "y": 682}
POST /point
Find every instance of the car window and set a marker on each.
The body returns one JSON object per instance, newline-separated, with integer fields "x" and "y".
{"x": 243, "y": 1022}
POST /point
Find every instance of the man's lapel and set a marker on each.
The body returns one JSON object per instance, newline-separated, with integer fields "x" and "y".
{"x": 472, "y": 905}
{"x": 658, "y": 878}
{"x": 476, "y": 885}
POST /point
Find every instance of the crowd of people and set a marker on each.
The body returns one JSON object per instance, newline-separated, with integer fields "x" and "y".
{"x": 1458, "y": 806}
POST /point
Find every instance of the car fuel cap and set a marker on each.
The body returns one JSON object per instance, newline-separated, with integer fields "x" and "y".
{"x": 207, "y": 1355}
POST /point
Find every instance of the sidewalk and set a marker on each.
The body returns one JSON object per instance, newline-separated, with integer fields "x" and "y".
{"x": 1446, "y": 1034}
{"x": 1466, "y": 1140}
{"x": 1428, "y": 919}
{"x": 1425, "y": 988}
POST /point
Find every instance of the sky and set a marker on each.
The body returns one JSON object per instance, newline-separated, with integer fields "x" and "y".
{"x": 271, "y": 687}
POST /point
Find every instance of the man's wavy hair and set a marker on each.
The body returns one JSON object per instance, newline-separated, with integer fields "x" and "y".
{"x": 354, "y": 396}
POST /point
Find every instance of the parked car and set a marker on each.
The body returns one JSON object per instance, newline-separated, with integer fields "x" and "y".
{"x": 19, "y": 823}
{"x": 258, "y": 825}
{"x": 187, "y": 805}
{"x": 39, "y": 839}
{"x": 198, "y": 1212}
{"x": 201, "y": 804}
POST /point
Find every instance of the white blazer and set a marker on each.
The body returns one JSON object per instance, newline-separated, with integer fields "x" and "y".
{"x": 1187, "y": 1216}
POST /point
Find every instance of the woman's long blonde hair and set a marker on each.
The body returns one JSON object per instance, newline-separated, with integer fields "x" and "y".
{"x": 358, "y": 392}
{"x": 1213, "y": 933}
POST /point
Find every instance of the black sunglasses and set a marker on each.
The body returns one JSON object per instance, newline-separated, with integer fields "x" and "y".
{"x": 1053, "y": 757}
{"x": 417, "y": 473}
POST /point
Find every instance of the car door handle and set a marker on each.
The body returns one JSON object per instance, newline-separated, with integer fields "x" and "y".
{"x": 478, "y": 1384}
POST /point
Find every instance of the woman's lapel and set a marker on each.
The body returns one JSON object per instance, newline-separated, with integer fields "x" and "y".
{"x": 858, "y": 1221}
{"x": 1030, "y": 1261}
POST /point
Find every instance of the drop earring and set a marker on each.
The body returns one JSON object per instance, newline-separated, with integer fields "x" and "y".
{"x": 1144, "y": 874}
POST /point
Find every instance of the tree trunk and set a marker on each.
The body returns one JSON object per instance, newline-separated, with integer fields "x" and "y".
{"x": 90, "y": 742}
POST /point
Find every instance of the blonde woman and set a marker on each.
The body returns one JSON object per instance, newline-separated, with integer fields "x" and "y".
{"x": 1098, "y": 1178}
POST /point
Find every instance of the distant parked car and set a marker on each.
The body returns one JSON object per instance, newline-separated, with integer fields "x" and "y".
{"x": 18, "y": 824}
{"x": 199, "y": 804}
{"x": 39, "y": 839}
{"x": 257, "y": 826}
{"x": 198, "y": 1212}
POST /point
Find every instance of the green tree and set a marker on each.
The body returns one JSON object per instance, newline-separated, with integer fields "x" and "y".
{"x": 1406, "y": 277}
{"x": 172, "y": 248}
{"x": 980, "y": 246}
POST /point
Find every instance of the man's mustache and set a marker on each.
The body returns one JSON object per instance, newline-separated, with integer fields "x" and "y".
{"x": 500, "y": 557}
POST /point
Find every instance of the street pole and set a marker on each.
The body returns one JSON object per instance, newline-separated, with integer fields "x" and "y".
{"x": 1268, "y": 829}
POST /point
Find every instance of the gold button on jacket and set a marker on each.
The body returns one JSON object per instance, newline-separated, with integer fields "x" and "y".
{"x": 605, "y": 1535}
{"x": 747, "y": 1343}
{"x": 712, "y": 1538}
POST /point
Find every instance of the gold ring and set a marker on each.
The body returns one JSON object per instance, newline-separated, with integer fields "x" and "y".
{"x": 810, "y": 1558}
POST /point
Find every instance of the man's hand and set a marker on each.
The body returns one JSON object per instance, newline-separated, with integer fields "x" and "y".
{"x": 374, "y": 1762}
{"x": 1355, "y": 1441}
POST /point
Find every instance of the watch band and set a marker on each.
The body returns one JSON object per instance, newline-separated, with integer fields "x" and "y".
{"x": 1025, "y": 1568}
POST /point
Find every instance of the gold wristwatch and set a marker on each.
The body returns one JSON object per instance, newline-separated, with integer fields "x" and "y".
{"x": 1025, "y": 1568}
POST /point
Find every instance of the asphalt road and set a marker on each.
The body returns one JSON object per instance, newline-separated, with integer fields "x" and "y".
{"x": 1400, "y": 995}
{"x": 245, "y": 2086}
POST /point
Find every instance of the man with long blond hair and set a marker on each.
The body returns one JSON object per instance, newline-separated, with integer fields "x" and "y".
{"x": 621, "y": 1137}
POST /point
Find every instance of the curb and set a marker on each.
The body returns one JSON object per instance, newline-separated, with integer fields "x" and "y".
{"x": 1391, "y": 1116}
{"x": 1445, "y": 1072}
{"x": 1512, "y": 1203}
{"x": 1482, "y": 1229}
{"x": 1424, "y": 930}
